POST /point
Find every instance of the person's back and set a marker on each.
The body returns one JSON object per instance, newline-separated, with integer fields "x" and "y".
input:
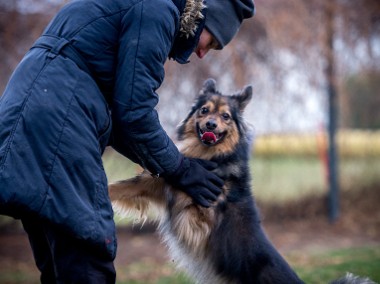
{"x": 97, "y": 28}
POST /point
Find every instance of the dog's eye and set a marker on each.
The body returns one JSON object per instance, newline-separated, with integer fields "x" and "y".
{"x": 204, "y": 110}
{"x": 226, "y": 116}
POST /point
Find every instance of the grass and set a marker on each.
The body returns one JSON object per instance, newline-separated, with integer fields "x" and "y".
{"x": 279, "y": 178}
{"x": 148, "y": 273}
{"x": 282, "y": 178}
{"x": 312, "y": 267}
{"x": 15, "y": 277}
{"x": 324, "y": 267}
{"x": 117, "y": 166}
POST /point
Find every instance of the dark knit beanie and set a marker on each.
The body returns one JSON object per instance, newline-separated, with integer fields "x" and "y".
{"x": 224, "y": 18}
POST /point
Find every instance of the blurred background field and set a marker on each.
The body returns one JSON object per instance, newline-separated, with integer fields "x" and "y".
{"x": 290, "y": 184}
{"x": 313, "y": 65}
{"x": 288, "y": 167}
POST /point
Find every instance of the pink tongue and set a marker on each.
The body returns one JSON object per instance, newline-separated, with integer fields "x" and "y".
{"x": 208, "y": 137}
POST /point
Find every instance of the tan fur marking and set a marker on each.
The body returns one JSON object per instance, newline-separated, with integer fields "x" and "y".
{"x": 191, "y": 223}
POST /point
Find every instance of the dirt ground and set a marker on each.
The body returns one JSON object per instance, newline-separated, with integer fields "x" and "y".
{"x": 297, "y": 226}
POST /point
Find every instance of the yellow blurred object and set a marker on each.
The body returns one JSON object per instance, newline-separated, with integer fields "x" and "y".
{"x": 351, "y": 143}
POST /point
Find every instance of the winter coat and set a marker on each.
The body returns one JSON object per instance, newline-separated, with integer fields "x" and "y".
{"x": 91, "y": 76}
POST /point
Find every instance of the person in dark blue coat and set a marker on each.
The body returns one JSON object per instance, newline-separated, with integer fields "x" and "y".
{"x": 90, "y": 81}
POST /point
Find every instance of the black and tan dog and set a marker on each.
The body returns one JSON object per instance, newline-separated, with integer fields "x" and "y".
{"x": 224, "y": 243}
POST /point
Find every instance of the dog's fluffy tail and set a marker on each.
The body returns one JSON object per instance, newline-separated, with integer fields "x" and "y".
{"x": 352, "y": 279}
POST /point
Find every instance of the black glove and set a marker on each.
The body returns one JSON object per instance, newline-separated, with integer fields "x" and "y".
{"x": 195, "y": 178}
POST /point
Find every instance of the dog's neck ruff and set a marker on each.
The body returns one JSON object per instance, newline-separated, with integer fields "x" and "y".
{"x": 191, "y": 147}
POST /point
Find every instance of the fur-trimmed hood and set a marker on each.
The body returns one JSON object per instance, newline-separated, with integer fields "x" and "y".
{"x": 192, "y": 22}
{"x": 223, "y": 22}
{"x": 191, "y": 16}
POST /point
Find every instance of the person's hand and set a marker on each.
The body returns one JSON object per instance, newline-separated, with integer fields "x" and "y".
{"x": 196, "y": 179}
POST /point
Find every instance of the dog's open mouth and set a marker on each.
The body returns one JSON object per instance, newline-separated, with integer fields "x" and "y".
{"x": 209, "y": 137}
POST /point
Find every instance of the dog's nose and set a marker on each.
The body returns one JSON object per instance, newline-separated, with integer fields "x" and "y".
{"x": 211, "y": 124}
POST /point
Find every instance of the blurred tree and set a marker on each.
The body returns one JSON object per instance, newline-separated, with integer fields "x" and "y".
{"x": 330, "y": 10}
{"x": 283, "y": 52}
{"x": 363, "y": 100}
{"x": 18, "y": 30}
{"x": 280, "y": 51}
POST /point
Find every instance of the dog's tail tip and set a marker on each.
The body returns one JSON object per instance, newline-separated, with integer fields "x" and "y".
{"x": 350, "y": 278}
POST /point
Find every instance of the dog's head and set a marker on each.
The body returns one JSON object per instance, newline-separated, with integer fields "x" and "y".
{"x": 214, "y": 125}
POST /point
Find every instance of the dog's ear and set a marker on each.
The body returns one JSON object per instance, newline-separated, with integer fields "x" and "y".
{"x": 244, "y": 97}
{"x": 208, "y": 86}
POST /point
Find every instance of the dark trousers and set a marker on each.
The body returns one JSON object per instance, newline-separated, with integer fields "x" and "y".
{"x": 64, "y": 259}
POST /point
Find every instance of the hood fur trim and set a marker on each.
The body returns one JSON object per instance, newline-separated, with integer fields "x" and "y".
{"x": 191, "y": 16}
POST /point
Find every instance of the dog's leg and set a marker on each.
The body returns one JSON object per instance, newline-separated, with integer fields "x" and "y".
{"x": 138, "y": 194}
{"x": 191, "y": 223}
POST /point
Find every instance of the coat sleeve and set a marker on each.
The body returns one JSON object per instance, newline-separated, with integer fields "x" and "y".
{"x": 148, "y": 31}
